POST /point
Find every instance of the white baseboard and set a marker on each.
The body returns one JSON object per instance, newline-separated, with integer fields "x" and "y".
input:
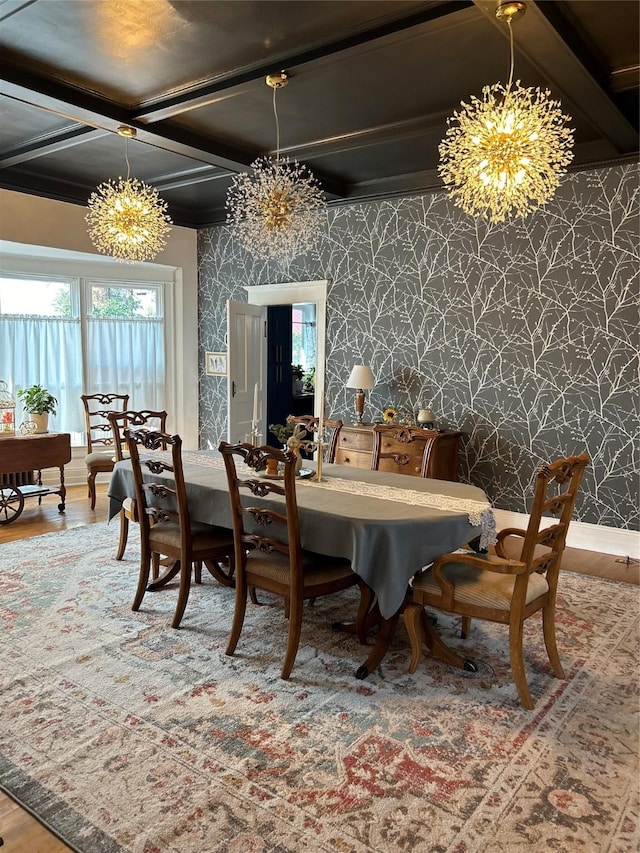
{"x": 589, "y": 537}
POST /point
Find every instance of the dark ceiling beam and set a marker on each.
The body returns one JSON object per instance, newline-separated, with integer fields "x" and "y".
{"x": 86, "y": 108}
{"x": 89, "y": 109}
{"x": 59, "y": 189}
{"x": 58, "y": 98}
{"x": 368, "y": 137}
{"x": 202, "y": 94}
{"x": 59, "y": 140}
{"x": 554, "y": 48}
{"x": 625, "y": 79}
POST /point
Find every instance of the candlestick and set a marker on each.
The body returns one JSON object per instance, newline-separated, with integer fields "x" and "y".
{"x": 254, "y": 422}
{"x": 321, "y": 421}
{"x": 320, "y": 442}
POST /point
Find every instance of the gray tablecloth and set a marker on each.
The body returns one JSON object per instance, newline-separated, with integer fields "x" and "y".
{"x": 386, "y": 541}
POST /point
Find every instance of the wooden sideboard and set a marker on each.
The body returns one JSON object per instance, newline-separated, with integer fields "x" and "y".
{"x": 355, "y": 447}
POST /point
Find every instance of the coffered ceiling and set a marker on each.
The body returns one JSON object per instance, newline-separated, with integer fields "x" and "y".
{"x": 371, "y": 86}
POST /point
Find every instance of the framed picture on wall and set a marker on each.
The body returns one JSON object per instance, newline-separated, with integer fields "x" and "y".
{"x": 215, "y": 363}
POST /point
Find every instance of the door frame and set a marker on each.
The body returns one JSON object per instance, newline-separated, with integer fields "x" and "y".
{"x": 289, "y": 293}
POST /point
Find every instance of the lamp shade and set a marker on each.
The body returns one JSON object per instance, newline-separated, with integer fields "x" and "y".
{"x": 361, "y": 377}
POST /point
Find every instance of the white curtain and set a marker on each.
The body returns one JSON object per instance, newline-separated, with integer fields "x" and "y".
{"x": 122, "y": 356}
{"x": 44, "y": 351}
{"x": 127, "y": 357}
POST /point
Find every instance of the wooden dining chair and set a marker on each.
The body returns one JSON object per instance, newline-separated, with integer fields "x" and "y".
{"x": 498, "y": 588}
{"x": 400, "y": 449}
{"x": 119, "y": 421}
{"x": 100, "y": 448}
{"x": 331, "y": 434}
{"x": 166, "y": 527}
{"x": 268, "y": 552}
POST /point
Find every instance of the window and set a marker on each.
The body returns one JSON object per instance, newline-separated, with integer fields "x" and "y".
{"x": 77, "y": 335}
{"x": 303, "y": 341}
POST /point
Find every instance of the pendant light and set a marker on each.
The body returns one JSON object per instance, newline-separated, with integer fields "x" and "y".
{"x": 127, "y": 219}
{"x": 277, "y": 212}
{"x": 504, "y": 153}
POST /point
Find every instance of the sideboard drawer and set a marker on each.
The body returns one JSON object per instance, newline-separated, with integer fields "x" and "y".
{"x": 354, "y": 458}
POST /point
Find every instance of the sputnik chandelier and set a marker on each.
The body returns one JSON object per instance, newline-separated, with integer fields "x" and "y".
{"x": 503, "y": 154}
{"x": 127, "y": 219}
{"x": 277, "y": 212}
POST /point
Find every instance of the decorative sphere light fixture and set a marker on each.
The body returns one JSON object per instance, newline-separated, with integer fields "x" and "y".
{"x": 127, "y": 219}
{"x": 504, "y": 153}
{"x": 276, "y": 212}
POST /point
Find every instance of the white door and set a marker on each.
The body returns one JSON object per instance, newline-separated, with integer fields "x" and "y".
{"x": 247, "y": 376}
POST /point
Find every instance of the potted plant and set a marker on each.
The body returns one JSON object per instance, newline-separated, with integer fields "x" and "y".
{"x": 297, "y": 372}
{"x": 39, "y": 403}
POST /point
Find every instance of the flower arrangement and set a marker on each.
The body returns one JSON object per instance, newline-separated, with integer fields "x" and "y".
{"x": 389, "y": 414}
{"x": 283, "y": 432}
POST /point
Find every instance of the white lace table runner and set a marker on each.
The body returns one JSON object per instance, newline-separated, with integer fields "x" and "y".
{"x": 480, "y": 513}
{"x": 202, "y": 459}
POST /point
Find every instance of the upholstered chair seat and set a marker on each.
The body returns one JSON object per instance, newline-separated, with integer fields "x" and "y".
{"x": 478, "y": 587}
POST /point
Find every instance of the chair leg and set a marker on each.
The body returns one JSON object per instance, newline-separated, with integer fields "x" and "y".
{"x": 183, "y": 593}
{"x": 238, "y": 614}
{"x": 197, "y": 571}
{"x": 143, "y": 578}
{"x": 413, "y": 624}
{"x": 124, "y": 534}
{"x": 549, "y": 632}
{"x": 155, "y": 566}
{"x": 293, "y": 637}
{"x": 91, "y": 481}
{"x": 465, "y": 627}
{"x": 516, "y": 631}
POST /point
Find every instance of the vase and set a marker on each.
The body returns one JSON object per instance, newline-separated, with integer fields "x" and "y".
{"x": 41, "y": 419}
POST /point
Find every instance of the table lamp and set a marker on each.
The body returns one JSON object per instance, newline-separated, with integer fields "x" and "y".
{"x": 361, "y": 378}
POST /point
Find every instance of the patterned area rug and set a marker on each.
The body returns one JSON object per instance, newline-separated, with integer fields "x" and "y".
{"x": 125, "y": 735}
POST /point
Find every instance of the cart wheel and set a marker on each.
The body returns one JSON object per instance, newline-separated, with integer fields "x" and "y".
{"x": 11, "y": 504}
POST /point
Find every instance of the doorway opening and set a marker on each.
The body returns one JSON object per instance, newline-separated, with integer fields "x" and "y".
{"x": 296, "y": 314}
{"x": 291, "y": 362}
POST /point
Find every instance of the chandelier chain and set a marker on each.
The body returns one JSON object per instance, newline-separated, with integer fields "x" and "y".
{"x": 126, "y": 156}
{"x": 275, "y": 115}
{"x": 511, "y": 62}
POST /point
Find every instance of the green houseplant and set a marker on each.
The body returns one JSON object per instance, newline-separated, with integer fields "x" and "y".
{"x": 39, "y": 403}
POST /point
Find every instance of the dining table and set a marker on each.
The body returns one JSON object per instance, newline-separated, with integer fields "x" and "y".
{"x": 389, "y": 526}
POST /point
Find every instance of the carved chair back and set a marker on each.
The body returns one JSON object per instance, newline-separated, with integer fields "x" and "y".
{"x": 402, "y": 449}
{"x": 120, "y": 421}
{"x": 96, "y": 418}
{"x": 156, "y": 501}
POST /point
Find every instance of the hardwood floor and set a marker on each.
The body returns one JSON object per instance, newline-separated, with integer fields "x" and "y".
{"x": 21, "y": 832}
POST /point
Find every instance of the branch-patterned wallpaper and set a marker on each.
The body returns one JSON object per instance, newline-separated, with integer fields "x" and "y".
{"x": 524, "y": 336}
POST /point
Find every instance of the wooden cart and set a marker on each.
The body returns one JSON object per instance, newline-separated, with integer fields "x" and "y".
{"x": 22, "y": 460}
